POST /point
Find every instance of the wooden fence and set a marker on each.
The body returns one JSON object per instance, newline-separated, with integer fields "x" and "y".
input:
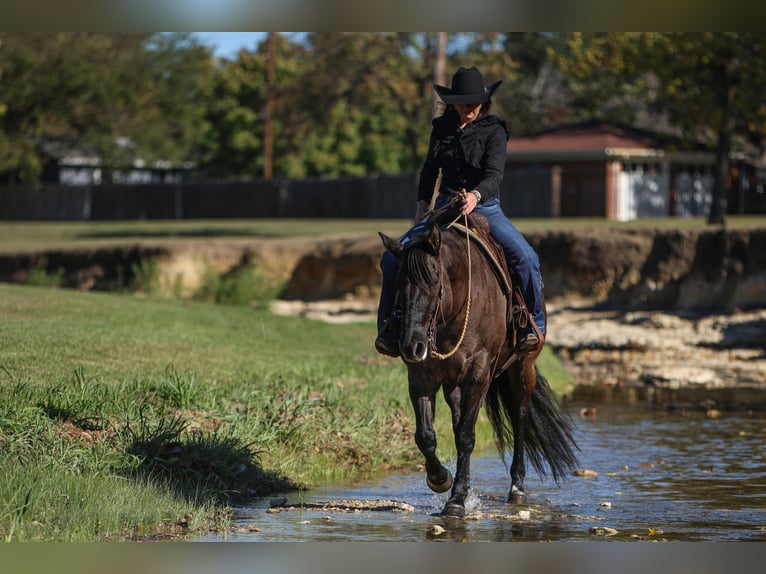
{"x": 381, "y": 196}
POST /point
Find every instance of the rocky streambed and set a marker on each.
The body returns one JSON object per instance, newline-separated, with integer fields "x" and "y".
{"x": 674, "y": 359}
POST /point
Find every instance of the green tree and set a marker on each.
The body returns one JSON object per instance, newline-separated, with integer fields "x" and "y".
{"x": 379, "y": 79}
{"x": 172, "y": 121}
{"x": 234, "y": 146}
{"x": 120, "y": 96}
{"x": 712, "y": 85}
{"x": 706, "y": 87}
{"x": 345, "y": 104}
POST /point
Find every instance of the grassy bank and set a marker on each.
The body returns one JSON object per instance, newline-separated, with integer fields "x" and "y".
{"x": 125, "y": 416}
{"x": 25, "y": 236}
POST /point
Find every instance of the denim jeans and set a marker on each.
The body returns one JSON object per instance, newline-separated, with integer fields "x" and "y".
{"x": 521, "y": 257}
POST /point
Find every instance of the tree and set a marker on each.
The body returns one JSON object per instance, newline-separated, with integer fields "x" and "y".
{"x": 234, "y": 146}
{"x": 707, "y": 87}
{"x": 712, "y": 86}
{"x": 344, "y": 104}
{"x": 118, "y": 96}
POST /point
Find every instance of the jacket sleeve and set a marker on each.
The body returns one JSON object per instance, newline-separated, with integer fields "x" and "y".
{"x": 493, "y": 164}
{"x": 429, "y": 172}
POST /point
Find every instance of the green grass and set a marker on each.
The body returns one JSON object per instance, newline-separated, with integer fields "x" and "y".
{"x": 35, "y": 236}
{"x": 125, "y": 416}
{"x": 27, "y": 236}
{"x": 191, "y": 402}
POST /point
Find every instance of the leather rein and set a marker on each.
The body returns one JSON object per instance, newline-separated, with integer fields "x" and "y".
{"x": 438, "y": 310}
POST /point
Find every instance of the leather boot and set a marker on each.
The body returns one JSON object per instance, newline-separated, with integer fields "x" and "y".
{"x": 529, "y": 339}
{"x": 387, "y": 342}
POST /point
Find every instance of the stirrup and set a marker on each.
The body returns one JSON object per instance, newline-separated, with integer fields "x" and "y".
{"x": 530, "y": 341}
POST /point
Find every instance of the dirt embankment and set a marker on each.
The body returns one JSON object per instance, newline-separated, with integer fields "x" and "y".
{"x": 708, "y": 270}
{"x": 716, "y": 270}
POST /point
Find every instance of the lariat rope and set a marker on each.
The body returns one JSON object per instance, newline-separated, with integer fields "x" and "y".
{"x": 434, "y": 353}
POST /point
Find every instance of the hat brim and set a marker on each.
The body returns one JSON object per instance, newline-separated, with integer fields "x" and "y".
{"x": 448, "y": 97}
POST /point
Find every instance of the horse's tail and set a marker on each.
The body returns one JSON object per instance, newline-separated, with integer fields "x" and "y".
{"x": 548, "y": 438}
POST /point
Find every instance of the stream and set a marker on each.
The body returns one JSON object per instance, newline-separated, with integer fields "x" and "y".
{"x": 650, "y": 475}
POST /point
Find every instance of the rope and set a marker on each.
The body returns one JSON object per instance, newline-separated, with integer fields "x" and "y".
{"x": 434, "y": 352}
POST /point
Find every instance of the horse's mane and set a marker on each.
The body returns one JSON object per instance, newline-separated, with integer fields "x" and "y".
{"x": 415, "y": 259}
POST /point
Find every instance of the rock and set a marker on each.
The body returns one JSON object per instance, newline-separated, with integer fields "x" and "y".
{"x": 585, "y": 473}
{"x": 602, "y": 531}
{"x": 669, "y": 359}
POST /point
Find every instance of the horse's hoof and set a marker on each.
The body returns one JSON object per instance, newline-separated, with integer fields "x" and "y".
{"x": 443, "y": 487}
{"x": 454, "y": 510}
{"x": 517, "y": 496}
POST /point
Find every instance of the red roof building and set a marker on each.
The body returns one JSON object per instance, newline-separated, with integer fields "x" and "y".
{"x": 596, "y": 169}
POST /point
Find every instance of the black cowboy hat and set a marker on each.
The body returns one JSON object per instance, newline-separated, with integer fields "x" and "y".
{"x": 467, "y": 88}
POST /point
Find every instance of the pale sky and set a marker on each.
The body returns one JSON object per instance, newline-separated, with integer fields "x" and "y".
{"x": 227, "y": 44}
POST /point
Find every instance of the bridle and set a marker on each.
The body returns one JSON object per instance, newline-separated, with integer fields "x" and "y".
{"x": 431, "y": 330}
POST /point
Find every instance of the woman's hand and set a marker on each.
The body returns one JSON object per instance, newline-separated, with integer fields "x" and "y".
{"x": 470, "y": 201}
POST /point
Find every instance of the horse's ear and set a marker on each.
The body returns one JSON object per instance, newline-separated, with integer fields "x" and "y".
{"x": 392, "y": 245}
{"x": 434, "y": 239}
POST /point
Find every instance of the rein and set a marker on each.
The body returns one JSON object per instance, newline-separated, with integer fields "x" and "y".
{"x": 434, "y": 353}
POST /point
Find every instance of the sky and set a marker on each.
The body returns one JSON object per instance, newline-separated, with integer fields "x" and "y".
{"x": 227, "y": 44}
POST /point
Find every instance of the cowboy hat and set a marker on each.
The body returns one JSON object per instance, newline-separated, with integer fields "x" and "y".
{"x": 467, "y": 88}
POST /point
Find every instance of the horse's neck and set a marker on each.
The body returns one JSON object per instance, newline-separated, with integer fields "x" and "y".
{"x": 457, "y": 276}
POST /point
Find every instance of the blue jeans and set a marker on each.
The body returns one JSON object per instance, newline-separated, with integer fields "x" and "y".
{"x": 521, "y": 257}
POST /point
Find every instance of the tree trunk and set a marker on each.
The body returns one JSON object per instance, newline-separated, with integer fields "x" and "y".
{"x": 721, "y": 177}
{"x": 440, "y": 70}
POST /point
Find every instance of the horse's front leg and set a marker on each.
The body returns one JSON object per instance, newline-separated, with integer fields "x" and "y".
{"x": 465, "y": 405}
{"x": 438, "y": 478}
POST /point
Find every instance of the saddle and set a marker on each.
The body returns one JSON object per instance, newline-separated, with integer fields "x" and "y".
{"x": 478, "y": 230}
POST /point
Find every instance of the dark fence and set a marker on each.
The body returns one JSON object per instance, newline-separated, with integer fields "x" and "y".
{"x": 382, "y": 196}
{"x": 532, "y": 191}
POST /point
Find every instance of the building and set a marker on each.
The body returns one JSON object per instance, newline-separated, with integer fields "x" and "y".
{"x": 67, "y": 164}
{"x": 597, "y": 169}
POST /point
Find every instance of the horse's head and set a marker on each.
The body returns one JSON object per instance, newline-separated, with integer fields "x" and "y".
{"x": 419, "y": 285}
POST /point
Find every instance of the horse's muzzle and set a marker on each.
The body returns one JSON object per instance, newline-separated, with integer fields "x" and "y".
{"x": 415, "y": 351}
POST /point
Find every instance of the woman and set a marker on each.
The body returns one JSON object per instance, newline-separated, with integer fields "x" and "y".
{"x": 468, "y": 145}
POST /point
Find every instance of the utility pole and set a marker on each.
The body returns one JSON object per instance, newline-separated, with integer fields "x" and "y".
{"x": 268, "y": 135}
{"x": 440, "y": 69}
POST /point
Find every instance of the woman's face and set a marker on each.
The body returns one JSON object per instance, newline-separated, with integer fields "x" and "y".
{"x": 468, "y": 112}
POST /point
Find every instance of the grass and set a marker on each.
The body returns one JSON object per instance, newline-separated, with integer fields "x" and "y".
{"x": 125, "y": 417}
{"x": 18, "y": 237}
{"x": 133, "y": 417}
{"x": 26, "y": 236}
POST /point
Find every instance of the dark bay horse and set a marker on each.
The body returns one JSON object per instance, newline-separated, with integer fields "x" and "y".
{"x": 455, "y": 336}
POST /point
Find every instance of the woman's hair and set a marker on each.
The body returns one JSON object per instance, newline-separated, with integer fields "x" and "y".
{"x": 443, "y": 108}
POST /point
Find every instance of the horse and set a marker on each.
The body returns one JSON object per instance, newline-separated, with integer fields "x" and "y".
{"x": 455, "y": 335}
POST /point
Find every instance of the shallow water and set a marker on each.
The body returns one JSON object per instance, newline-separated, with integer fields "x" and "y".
{"x": 661, "y": 476}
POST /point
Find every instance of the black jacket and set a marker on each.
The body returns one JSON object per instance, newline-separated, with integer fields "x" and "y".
{"x": 473, "y": 158}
